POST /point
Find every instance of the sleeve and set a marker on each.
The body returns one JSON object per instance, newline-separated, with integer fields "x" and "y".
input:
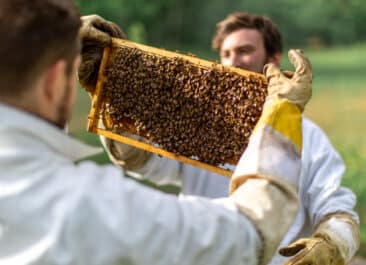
{"x": 323, "y": 170}
{"x": 342, "y": 231}
{"x": 141, "y": 164}
{"x": 264, "y": 184}
{"x": 114, "y": 220}
{"x": 123, "y": 155}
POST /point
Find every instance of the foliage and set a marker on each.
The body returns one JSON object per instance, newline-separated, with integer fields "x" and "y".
{"x": 176, "y": 24}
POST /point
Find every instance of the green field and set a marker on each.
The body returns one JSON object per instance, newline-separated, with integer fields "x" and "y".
{"x": 337, "y": 106}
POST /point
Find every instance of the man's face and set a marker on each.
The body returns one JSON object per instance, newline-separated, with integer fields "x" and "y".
{"x": 244, "y": 48}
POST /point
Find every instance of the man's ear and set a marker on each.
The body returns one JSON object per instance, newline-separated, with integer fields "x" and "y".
{"x": 275, "y": 59}
{"x": 54, "y": 81}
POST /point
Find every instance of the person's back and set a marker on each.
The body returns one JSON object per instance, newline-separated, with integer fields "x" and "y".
{"x": 55, "y": 212}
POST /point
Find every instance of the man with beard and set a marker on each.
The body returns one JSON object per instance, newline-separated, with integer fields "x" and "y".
{"x": 56, "y": 211}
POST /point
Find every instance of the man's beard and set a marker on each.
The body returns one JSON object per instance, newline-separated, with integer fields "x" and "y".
{"x": 64, "y": 109}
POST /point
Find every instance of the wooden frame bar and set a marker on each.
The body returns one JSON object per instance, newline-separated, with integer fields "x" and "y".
{"x": 94, "y": 114}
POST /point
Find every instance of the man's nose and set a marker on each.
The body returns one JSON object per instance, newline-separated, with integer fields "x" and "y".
{"x": 232, "y": 60}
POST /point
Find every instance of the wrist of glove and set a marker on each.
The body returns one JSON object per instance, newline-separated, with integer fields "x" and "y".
{"x": 295, "y": 88}
{"x": 95, "y": 34}
{"x": 316, "y": 250}
{"x": 125, "y": 156}
{"x": 91, "y": 58}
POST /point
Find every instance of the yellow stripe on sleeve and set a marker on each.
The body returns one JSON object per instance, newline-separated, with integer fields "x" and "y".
{"x": 285, "y": 118}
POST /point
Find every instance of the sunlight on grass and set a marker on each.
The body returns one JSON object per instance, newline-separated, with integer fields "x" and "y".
{"x": 337, "y": 68}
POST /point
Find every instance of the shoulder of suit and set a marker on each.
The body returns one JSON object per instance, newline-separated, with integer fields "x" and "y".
{"x": 313, "y": 134}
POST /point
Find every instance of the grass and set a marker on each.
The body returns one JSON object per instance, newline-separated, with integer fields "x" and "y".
{"x": 338, "y": 106}
{"x": 338, "y": 68}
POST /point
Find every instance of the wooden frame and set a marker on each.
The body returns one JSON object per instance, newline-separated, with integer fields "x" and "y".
{"x": 94, "y": 114}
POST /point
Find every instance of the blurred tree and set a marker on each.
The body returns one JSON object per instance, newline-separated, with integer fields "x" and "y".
{"x": 184, "y": 24}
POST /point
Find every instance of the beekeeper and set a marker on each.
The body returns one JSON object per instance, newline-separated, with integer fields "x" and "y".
{"x": 56, "y": 211}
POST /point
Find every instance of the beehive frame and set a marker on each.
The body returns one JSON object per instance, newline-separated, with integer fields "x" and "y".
{"x": 94, "y": 114}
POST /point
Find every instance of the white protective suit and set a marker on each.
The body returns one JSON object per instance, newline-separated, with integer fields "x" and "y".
{"x": 320, "y": 192}
{"x": 53, "y": 211}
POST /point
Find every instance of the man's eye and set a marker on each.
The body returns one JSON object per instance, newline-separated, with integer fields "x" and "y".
{"x": 245, "y": 50}
{"x": 225, "y": 55}
{"x": 242, "y": 51}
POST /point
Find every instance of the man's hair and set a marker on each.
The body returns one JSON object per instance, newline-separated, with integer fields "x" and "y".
{"x": 34, "y": 35}
{"x": 242, "y": 20}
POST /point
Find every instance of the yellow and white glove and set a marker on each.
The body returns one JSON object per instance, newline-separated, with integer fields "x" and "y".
{"x": 334, "y": 243}
{"x": 264, "y": 184}
{"x": 95, "y": 34}
{"x": 294, "y": 87}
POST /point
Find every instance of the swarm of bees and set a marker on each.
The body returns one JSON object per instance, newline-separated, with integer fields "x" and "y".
{"x": 203, "y": 113}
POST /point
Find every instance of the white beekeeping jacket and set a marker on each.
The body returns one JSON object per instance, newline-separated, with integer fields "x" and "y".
{"x": 55, "y": 212}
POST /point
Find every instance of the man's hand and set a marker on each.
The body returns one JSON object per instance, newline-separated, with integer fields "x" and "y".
{"x": 295, "y": 89}
{"x": 95, "y": 34}
{"x": 316, "y": 250}
{"x": 334, "y": 242}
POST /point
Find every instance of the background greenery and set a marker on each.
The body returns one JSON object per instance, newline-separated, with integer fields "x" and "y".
{"x": 190, "y": 23}
{"x": 331, "y": 33}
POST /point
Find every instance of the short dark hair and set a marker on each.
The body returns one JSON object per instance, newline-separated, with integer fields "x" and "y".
{"x": 242, "y": 20}
{"x": 34, "y": 35}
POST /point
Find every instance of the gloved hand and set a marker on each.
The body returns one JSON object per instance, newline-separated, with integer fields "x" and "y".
{"x": 317, "y": 250}
{"x": 123, "y": 155}
{"x": 95, "y": 34}
{"x": 334, "y": 242}
{"x": 295, "y": 89}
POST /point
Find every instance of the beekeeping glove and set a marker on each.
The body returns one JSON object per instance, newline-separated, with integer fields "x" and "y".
{"x": 95, "y": 34}
{"x": 264, "y": 184}
{"x": 296, "y": 88}
{"x": 334, "y": 242}
{"x": 126, "y": 156}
